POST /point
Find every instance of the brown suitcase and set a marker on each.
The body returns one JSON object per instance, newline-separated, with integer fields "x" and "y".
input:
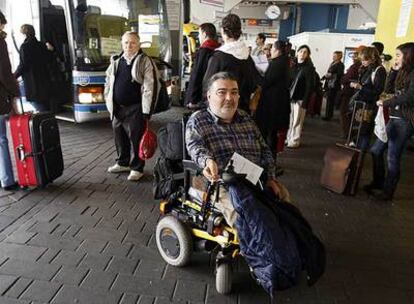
{"x": 342, "y": 163}
{"x": 342, "y": 169}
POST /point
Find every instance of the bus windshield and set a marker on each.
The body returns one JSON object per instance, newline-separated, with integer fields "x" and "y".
{"x": 99, "y": 24}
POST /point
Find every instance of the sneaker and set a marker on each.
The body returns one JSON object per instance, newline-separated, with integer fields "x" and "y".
{"x": 293, "y": 146}
{"x": 118, "y": 169}
{"x": 135, "y": 176}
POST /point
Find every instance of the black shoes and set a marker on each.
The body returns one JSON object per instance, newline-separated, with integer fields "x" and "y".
{"x": 380, "y": 194}
{"x": 383, "y": 196}
{"x": 371, "y": 187}
{"x": 12, "y": 187}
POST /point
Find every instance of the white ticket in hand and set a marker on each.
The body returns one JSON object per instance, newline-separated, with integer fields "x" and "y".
{"x": 244, "y": 166}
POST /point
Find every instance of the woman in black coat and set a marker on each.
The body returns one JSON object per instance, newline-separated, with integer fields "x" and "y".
{"x": 400, "y": 127}
{"x": 33, "y": 68}
{"x": 273, "y": 111}
{"x": 303, "y": 84}
{"x": 370, "y": 86}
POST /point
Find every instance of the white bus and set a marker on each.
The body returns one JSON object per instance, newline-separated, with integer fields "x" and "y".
{"x": 85, "y": 34}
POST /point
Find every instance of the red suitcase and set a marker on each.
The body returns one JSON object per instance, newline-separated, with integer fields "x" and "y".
{"x": 36, "y": 145}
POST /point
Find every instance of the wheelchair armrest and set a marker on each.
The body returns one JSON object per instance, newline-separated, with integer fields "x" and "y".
{"x": 191, "y": 166}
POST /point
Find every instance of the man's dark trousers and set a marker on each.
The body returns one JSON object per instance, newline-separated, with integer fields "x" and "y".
{"x": 129, "y": 126}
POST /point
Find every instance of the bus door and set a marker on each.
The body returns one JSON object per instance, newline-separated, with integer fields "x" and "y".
{"x": 53, "y": 31}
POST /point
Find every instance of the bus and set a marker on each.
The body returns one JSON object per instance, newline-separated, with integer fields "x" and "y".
{"x": 84, "y": 34}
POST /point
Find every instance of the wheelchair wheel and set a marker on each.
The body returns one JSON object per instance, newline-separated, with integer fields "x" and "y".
{"x": 224, "y": 278}
{"x": 174, "y": 241}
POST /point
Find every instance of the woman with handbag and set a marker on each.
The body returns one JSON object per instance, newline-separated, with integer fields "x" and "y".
{"x": 370, "y": 85}
{"x": 399, "y": 128}
{"x": 300, "y": 93}
{"x": 272, "y": 115}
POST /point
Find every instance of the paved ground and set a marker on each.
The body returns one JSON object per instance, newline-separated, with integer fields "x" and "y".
{"x": 89, "y": 237}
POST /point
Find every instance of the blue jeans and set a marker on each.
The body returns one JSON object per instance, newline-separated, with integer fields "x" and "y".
{"x": 399, "y": 132}
{"x": 363, "y": 143}
{"x": 6, "y": 168}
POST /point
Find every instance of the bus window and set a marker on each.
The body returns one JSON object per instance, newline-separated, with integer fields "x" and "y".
{"x": 98, "y": 26}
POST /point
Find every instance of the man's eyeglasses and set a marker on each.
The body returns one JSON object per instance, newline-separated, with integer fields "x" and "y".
{"x": 223, "y": 93}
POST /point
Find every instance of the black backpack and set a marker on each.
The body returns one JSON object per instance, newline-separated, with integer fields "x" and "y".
{"x": 168, "y": 170}
{"x": 170, "y": 141}
{"x": 163, "y": 102}
{"x": 168, "y": 177}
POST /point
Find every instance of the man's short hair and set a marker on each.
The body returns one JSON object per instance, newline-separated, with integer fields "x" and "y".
{"x": 209, "y": 29}
{"x": 28, "y": 30}
{"x": 379, "y": 46}
{"x": 231, "y": 25}
{"x": 262, "y": 36}
{"x": 220, "y": 76}
{"x": 339, "y": 53}
{"x": 131, "y": 33}
{"x": 2, "y": 18}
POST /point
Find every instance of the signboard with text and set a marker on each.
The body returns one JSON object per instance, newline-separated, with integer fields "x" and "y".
{"x": 258, "y": 22}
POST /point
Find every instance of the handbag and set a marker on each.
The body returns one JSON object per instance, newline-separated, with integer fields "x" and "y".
{"x": 148, "y": 143}
{"x": 380, "y": 124}
{"x": 331, "y": 82}
{"x": 254, "y": 101}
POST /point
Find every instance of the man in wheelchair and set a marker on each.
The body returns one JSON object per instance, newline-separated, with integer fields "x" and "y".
{"x": 214, "y": 134}
{"x": 271, "y": 234}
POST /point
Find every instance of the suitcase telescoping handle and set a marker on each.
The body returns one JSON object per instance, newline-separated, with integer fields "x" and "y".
{"x": 21, "y": 155}
{"x": 358, "y": 105}
{"x": 21, "y": 105}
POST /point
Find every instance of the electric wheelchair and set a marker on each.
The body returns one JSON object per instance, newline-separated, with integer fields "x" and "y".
{"x": 190, "y": 221}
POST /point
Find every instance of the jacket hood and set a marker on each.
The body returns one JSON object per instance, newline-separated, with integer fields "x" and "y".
{"x": 210, "y": 44}
{"x": 237, "y": 49}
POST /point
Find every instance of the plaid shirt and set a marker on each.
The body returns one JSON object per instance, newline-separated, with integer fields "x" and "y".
{"x": 207, "y": 137}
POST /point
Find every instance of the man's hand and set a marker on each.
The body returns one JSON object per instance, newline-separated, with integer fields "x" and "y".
{"x": 211, "y": 170}
{"x": 274, "y": 185}
{"x": 380, "y": 103}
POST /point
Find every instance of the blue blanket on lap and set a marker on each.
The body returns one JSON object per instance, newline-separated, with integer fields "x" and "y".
{"x": 269, "y": 247}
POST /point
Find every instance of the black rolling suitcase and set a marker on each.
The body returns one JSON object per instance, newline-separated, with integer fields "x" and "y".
{"x": 36, "y": 145}
{"x": 343, "y": 163}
